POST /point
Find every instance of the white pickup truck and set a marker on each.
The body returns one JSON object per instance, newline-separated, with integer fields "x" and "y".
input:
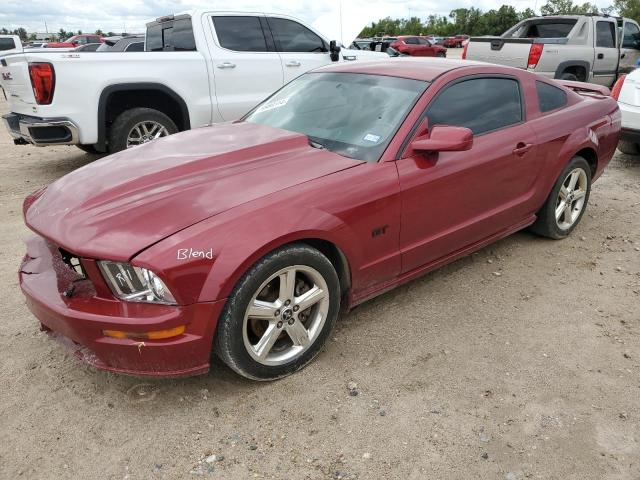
{"x": 587, "y": 48}
{"x": 198, "y": 68}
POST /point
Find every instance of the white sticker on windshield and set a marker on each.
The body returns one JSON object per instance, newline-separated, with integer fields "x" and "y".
{"x": 370, "y": 137}
{"x": 272, "y": 105}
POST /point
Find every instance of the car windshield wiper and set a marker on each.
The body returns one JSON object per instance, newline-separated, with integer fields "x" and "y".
{"x": 315, "y": 144}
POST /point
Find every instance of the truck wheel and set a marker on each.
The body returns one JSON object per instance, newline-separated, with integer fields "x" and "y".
{"x": 89, "y": 149}
{"x": 568, "y": 76}
{"x": 137, "y": 126}
{"x": 630, "y": 148}
{"x": 567, "y": 201}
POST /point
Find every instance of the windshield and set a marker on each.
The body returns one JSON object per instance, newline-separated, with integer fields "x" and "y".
{"x": 351, "y": 114}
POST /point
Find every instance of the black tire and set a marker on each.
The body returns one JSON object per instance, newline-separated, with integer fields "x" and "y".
{"x": 91, "y": 149}
{"x": 546, "y": 224}
{"x": 124, "y": 122}
{"x": 630, "y": 148}
{"x": 229, "y": 341}
{"x": 441, "y": 55}
{"x": 568, "y": 76}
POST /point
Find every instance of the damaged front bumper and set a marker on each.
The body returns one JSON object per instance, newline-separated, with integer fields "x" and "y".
{"x": 78, "y": 309}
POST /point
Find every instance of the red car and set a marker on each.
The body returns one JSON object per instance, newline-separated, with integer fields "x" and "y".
{"x": 418, "y": 47}
{"x": 76, "y": 41}
{"x": 455, "y": 42}
{"x": 248, "y": 238}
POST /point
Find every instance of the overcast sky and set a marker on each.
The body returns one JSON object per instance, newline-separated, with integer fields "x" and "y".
{"x": 131, "y": 15}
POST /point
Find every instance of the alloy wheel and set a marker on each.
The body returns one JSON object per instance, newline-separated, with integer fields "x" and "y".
{"x": 144, "y": 132}
{"x": 286, "y": 315}
{"x": 571, "y": 198}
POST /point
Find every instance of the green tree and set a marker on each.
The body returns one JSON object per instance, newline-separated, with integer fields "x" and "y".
{"x": 627, "y": 8}
{"x": 567, "y": 7}
{"x": 63, "y": 34}
{"x": 99, "y": 32}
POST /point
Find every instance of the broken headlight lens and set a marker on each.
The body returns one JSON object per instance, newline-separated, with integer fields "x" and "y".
{"x": 135, "y": 284}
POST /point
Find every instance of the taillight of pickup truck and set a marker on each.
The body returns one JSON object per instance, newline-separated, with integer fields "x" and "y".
{"x": 535, "y": 52}
{"x": 43, "y": 81}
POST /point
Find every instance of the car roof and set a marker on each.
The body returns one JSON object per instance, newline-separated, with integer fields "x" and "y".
{"x": 417, "y": 69}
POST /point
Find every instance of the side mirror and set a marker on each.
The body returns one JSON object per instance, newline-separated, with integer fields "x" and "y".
{"x": 445, "y": 139}
{"x": 334, "y": 50}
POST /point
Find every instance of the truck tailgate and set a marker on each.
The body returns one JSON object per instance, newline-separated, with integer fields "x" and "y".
{"x": 512, "y": 52}
{"x": 14, "y": 71}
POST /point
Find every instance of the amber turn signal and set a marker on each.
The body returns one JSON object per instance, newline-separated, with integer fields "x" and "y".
{"x": 157, "y": 335}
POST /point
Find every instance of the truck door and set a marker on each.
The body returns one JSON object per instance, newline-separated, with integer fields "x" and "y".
{"x": 300, "y": 48}
{"x": 605, "y": 63}
{"x": 246, "y": 67}
{"x": 629, "y": 46}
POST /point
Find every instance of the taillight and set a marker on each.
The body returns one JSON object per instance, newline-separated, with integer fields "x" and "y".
{"x": 43, "y": 81}
{"x": 464, "y": 52}
{"x": 534, "y": 55}
{"x": 617, "y": 87}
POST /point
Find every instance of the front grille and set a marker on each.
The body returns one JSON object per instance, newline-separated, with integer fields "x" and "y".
{"x": 72, "y": 262}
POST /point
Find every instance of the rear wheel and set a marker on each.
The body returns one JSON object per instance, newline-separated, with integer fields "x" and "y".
{"x": 567, "y": 201}
{"x": 630, "y": 148}
{"x": 279, "y": 314}
{"x": 89, "y": 149}
{"x": 138, "y": 126}
{"x": 441, "y": 55}
{"x": 568, "y": 76}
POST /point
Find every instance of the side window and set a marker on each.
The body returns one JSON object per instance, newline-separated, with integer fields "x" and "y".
{"x": 550, "y": 97}
{"x": 630, "y": 35}
{"x": 411, "y": 41}
{"x": 242, "y": 34}
{"x": 605, "y": 34}
{"x": 480, "y": 104}
{"x": 294, "y": 37}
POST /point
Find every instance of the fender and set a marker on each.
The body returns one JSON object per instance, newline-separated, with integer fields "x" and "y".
{"x": 121, "y": 87}
{"x": 210, "y": 257}
{"x": 573, "y": 63}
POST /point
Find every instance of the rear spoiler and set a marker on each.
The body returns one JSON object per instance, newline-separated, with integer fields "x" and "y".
{"x": 588, "y": 88}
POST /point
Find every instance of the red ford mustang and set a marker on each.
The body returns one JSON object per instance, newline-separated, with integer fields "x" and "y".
{"x": 247, "y": 239}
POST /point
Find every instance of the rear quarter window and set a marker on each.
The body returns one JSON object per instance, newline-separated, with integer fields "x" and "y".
{"x": 550, "y": 97}
{"x": 171, "y": 36}
{"x": 7, "y": 44}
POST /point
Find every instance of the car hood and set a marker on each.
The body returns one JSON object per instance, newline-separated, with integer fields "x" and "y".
{"x": 119, "y": 205}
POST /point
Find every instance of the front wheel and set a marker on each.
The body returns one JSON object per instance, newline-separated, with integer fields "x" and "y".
{"x": 138, "y": 126}
{"x": 567, "y": 201}
{"x": 279, "y": 314}
{"x": 441, "y": 55}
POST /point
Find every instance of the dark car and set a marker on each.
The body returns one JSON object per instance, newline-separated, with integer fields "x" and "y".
{"x": 133, "y": 43}
{"x": 418, "y": 47}
{"x": 90, "y": 47}
{"x": 248, "y": 238}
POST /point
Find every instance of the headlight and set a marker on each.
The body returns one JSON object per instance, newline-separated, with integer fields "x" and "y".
{"x": 135, "y": 284}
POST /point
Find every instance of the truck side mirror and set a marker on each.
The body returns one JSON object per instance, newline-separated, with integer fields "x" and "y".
{"x": 334, "y": 50}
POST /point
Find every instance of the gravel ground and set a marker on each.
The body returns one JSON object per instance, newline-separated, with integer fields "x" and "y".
{"x": 520, "y": 361}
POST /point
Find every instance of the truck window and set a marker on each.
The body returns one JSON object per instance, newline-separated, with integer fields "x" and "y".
{"x": 135, "y": 47}
{"x": 171, "y": 36}
{"x": 605, "y": 34}
{"x": 294, "y": 37}
{"x": 242, "y": 34}
{"x": 480, "y": 104}
{"x": 552, "y": 28}
{"x": 7, "y": 44}
{"x": 550, "y": 97}
{"x": 630, "y": 36}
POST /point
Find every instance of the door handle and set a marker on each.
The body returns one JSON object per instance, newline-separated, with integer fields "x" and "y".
{"x": 226, "y": 65}
{"x": 293, "y": 63}
{"x": 600, "y": 56}
{"x": 522, "y": 148}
